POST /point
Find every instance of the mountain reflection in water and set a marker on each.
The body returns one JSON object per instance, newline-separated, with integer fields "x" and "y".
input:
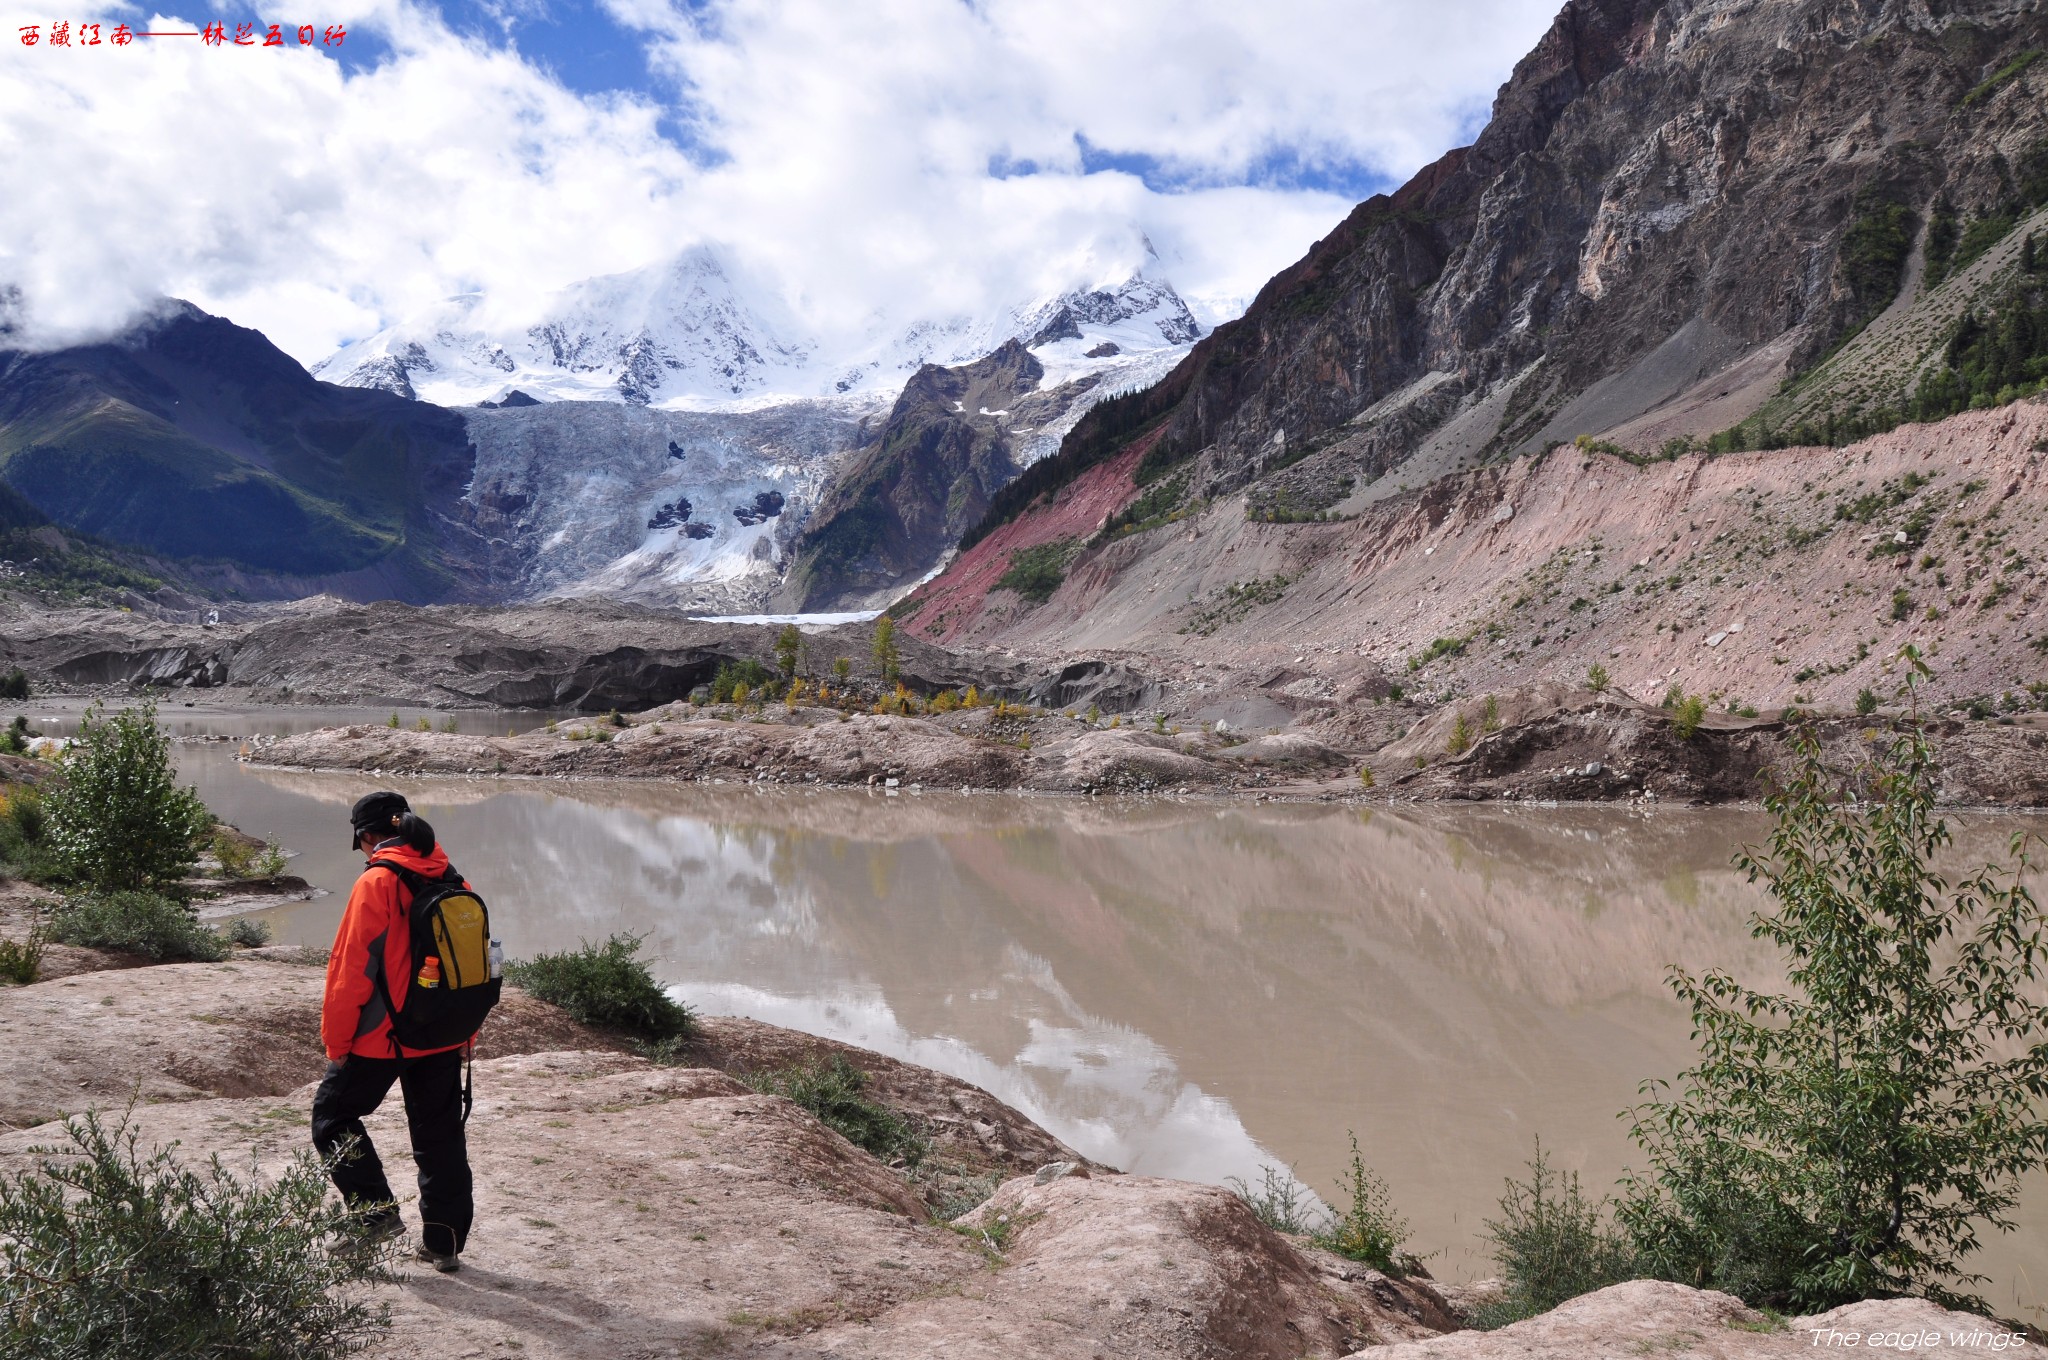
{"x": 1184, "y": 989}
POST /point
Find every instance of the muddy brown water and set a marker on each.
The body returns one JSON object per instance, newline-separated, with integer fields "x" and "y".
{"x": 1183, "y": 988}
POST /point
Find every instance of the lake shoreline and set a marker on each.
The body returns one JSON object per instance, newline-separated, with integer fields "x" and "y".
{"x": 1550, "y": 748}
{"x": 755, "y": 1228}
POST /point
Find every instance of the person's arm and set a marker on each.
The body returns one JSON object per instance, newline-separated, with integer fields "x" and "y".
{"x": 358, "y": 950}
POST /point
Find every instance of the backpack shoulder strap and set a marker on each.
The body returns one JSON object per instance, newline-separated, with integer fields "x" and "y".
{"x": 412, "y": 878}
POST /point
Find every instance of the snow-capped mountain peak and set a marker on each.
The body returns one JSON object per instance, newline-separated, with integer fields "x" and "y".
{"x": 689, "y": 330}
{"x": 695, "y": 332}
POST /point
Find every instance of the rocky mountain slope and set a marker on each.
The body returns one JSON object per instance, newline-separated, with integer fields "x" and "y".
{"x": 193, "y": 438}
{"x": 955, "y": 437}
{"x": 1675, "y": 207}
{"x": 1690, "y": 230}
{"x": 1758, "y": 579}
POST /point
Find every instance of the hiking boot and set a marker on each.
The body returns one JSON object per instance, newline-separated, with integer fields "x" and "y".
{"x": 367, "y": 1233}
{"x": 446, "y": 1264}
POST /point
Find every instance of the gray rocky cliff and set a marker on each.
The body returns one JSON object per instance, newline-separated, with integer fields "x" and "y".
{"x": 947, "y": 447}
{"x": 1664, "y": 192}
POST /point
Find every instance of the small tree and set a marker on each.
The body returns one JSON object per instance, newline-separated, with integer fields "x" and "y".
{"x": 118, "y": 820}
{"x": 1597, "y": 678}
{"x": 1849, "y": 1139}
{"x": 841, "y": 668}
{"x": 789, "y": 645}
{"x": 887, "y": 657}
{"x": 1460, "y": 740}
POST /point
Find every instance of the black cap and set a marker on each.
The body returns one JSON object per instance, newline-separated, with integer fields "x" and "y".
{"x": 375, "y": 812}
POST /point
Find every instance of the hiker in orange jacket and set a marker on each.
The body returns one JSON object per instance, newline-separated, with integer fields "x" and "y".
{"x": 363, "y": 1059}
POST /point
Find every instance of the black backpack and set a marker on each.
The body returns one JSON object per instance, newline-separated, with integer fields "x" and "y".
{"x": 451, "y": 923}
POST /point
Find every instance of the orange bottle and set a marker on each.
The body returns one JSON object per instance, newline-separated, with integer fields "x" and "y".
{"x": 430, "y": 972}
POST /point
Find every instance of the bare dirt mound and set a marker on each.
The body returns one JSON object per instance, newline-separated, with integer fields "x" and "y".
{"x": 1649, "y": 1317}
{"x": 809, "y": 746}
{"x": 1142, "y": 1266}
{"x": 1575, "y": 745}
{"x": 186, "y": 1031}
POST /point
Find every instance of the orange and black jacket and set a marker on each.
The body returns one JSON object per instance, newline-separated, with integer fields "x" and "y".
{"x": 374, "y": 934}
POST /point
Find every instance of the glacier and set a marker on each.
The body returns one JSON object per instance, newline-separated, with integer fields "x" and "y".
{"x": 661, "y": 435}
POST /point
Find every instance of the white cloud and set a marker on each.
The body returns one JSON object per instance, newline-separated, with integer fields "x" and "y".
{"x": 845, "y": 148}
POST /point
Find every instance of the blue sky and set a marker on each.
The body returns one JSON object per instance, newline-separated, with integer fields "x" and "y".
{"x": 874, "y": 162}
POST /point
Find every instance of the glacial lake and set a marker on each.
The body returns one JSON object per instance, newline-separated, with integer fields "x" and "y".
{"x": 1187, "y": 988}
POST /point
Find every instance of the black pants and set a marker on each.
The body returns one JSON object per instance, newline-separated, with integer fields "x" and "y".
{"x": 432, "y": 1087}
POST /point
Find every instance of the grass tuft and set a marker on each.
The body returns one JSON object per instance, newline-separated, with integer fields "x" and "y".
{"x": 834, "y": 1090}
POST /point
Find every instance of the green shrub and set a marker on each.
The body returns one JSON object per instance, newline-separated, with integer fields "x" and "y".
{"x": 1597, "y": 678}
{"x": 111, "y": 1252}
{"x": 236, "y": 856}
{"x": 14, "y": 685}
{"x": 834, "y": 1091}
{"x": 737, "y": 678}
{"x": 248, "y": 932}
{"x": 271, "y": 863}
{"x": 1687, "y": 715}
{"x": 22, "y": 960}
{"x": 1441, "y": 647}
{"x": 14, "y": 741}
{"x": 136, "y": 923}
{"x": 118, "y": 820}
{"x": 1551, "y": 1245}
{"x": 23, "y": 848}
{"x": 1037, "y": 572}
{"x": 1280, "y": 1201}
{"x": 1365, "y": 1228}
{"x": 1853, "y": 1137}
{"x": 971, "y": 1193}
{"x": 1866, "y": 701}
{"x": 604, "y": 985}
